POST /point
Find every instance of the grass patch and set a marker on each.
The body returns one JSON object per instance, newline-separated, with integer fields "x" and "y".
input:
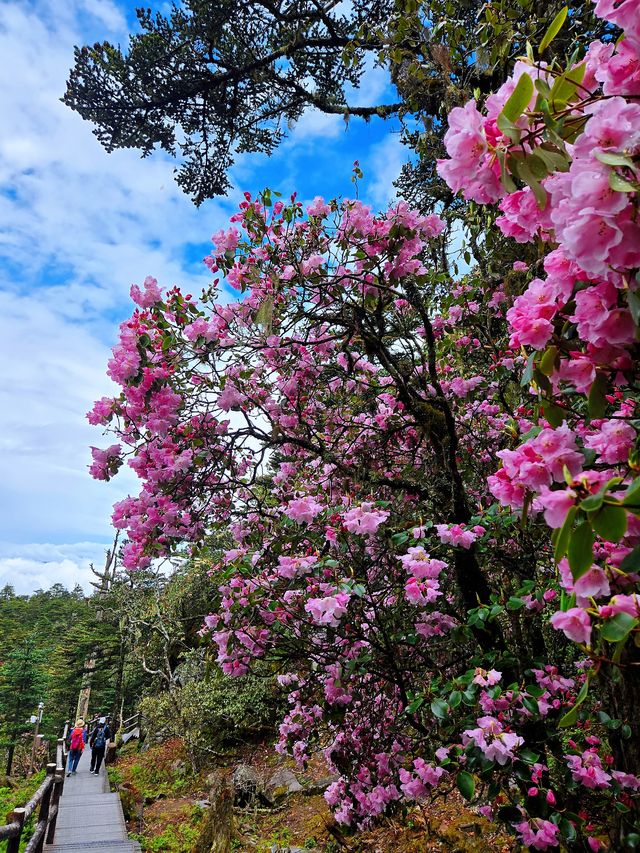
{"x": 11, "y": 798}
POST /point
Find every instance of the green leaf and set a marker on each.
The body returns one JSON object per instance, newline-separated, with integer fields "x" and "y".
{"x": 515, "y": 603}
{"x": 618, "y": 627}
{"x": 508, "y": 128}
{"x": 571, "y": 716}
{"x": 537, "y": 166}
{"x": 620, "y": 184}
{"x": 264, "y": 314}
{"x": 611, "y": 159}
{"x": 455, "y": 698}
{"x": 597, "y": 402}
{"x": 566, "y": 85}
{"x": 555, "y": 415}
{"x": 527, "y": 374}
{"x": 556, "y": 160}
{"x": 412, "y": 707}
{"x": 531, "y": 705}
{"x": 631, "y": 562}
{"x": 554, "y": 28}
{"x": 507, "y": 181}
{"x": 528, "y": 756}
{"x": 567, "y": 829}
{"x": 528, "y": 176}
{"x": 466, "y": 784}
{"x": 440, "y": 709}
{"x": 562, "y": 541}
{"x": 632, "y": 496}
{"x": 548, "y": 360}
{"x": 580, "y": 550}
{"x": 519, "y": 99}
{"x": 400, "y": 538}
{"x": 633, "y": 301}
{"x": 542, "y": 87}
{"x": 594, "y": 502}
{"x": 610, "y": 522}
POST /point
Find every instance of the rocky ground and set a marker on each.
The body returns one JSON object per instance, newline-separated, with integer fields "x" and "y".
{"x": 254, "y": 801}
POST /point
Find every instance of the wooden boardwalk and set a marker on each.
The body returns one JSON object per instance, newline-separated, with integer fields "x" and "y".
{"x": 90, "y": 816}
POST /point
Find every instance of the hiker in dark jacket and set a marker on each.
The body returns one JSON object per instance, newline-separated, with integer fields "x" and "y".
{"x": 98, "y": 743}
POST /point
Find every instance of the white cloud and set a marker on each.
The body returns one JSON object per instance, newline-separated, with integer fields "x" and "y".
{"x": 382, "y": 167}
{"x": 77, "y": 227}
{"x": 315, "y": 124}
{"x": 40, "y": 565}
{"x": 375, "y": 87}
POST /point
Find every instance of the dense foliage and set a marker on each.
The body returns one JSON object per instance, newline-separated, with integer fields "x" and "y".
{"x": 430, "y": 484}
{"x": 45, "y": 640}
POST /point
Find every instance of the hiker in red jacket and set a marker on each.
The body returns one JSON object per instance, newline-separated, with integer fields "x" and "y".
{"x": 76, "y": 747}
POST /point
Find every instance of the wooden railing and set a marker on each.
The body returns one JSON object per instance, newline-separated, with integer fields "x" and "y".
{"x": 47, "y": 798}
{"x": 128, "y": 726}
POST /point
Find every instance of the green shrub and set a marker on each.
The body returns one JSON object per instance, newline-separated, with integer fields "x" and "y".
{"x": 211, "y": 713}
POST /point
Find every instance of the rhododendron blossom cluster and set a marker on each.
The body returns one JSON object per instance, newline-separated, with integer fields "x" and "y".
{"x": 419, "y": 498}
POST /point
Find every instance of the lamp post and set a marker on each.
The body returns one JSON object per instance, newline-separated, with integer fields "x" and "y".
{"x": 37, "y": 719}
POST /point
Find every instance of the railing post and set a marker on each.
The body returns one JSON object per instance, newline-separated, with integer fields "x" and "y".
{"x": 55, "y": 803}
{"x": 43, "y": 814}
{"x": 13, "y": 845}
{"x": 61, "y": 759}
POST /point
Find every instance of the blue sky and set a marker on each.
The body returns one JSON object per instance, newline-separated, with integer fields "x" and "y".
{"x": 77, "y": 228}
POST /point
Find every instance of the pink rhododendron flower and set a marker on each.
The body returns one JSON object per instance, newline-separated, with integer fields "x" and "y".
{"x": 623, "y": 13}
{"x": 522, "y": 219}
{"x": 420, "y": 564}
{"x": 487, "y": 679}
{"x": 105, "y": 462}
{"x": 231, "y": 397}
{"x": 575, "y": 623}
{"x": 626, "y": 780}
{"x": 587, "y": 769}
{"x": 457, "y": 535}
{"x": 364, "y": 520}
{"x": 292, "y": 567}
{"x": 620, "y": 75}
{"x": 592, "y": 584}
{"x": 538, "y": 834}
{"x": 495, "y": 743}
{"x": 470, "y": 168}
{"x": 149, "y": 296}
{"x": 421, "y": 592}
{"x": 629, "y": 604}
{"x": 328, "y": 610}
{"x": 303, "y": 510}
{"x": 101, "y": 411}
{"x": 226, "y": 241}
{"x": 556, "y": 504}
{"x": 576, "y": 371}
{"x": 318, "y": 207}
{"x": 613, "y": 441}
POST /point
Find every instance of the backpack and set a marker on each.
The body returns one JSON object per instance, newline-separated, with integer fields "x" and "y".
{"x": 77, "y": 739}
{"x": 99, "y": 741}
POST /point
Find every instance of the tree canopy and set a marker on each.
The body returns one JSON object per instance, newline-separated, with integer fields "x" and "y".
{"x": 214, "y": 79}
{"x": 211, "y": 80}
